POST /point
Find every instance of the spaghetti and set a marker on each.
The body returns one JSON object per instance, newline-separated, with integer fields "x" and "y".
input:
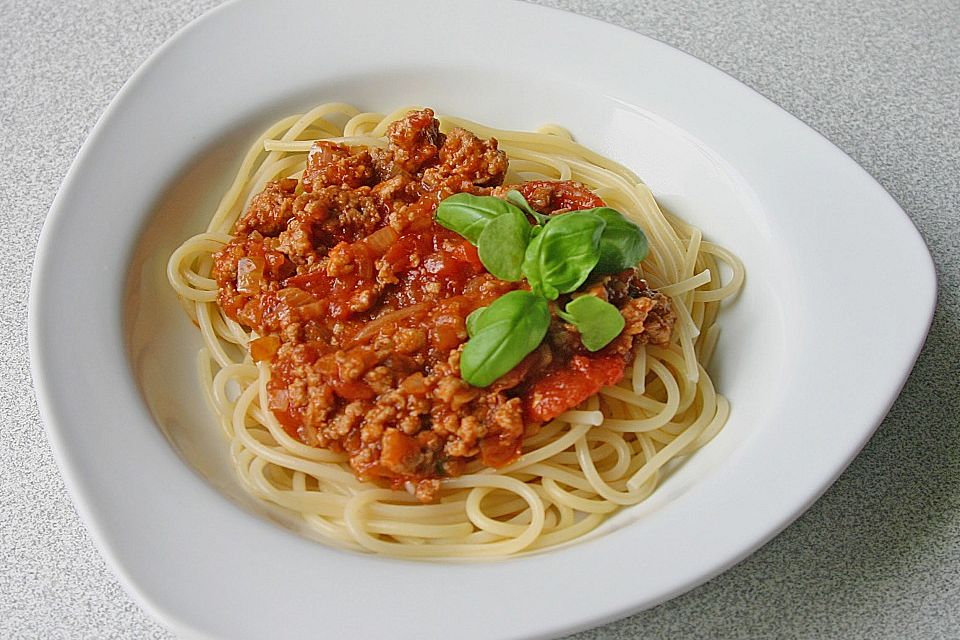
{"x": 572, "y": 473}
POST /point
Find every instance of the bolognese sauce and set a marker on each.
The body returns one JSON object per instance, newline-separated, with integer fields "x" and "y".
{"x": 360, "y": 300}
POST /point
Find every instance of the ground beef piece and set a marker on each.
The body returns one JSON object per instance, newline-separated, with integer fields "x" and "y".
{"x": 395, "y": 408}
{"x": 338, "y": 214}
{"x": 624, "y": 286}
{"x": 269, "y": 210}
{"x": 249, "y": 270}
{"x": 335, "y": 165}
{"x": 428, "y": 490}
{"x": 297, "y": 242}
{"x": 648, "y": 314}
{"x": 553, "y": 196}
{"x": 347, "y": 420}
{"x": 415, "y": 216}
{"x": 507, "y": 418}
{"x": 454, "y": 392}
{"x": 395, "y": 191}
{"x": 650, "y": 319}
{"x": 381, "y": 379}
{"x": 409, "y": 341}
{"x": 466, "y": 162}
{"x": 504, "y": 441}
{"x": 415, "y": 142}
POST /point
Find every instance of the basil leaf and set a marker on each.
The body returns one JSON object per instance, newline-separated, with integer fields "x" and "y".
{"x": 473, "y": 321}
{"x": 598, "y": 321}
{"x": 560, "y": 257}
{"x": 502, "y": 244}
{"x": 512, "y": 327}
{"x": 622, "y": 245}
{"x": 531, "y": 268}
{"x": 468, "y": 214}
{"x": 516, "y": 198}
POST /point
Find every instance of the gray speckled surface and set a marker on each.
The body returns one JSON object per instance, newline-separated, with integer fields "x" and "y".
{"x": 877, "y": 557}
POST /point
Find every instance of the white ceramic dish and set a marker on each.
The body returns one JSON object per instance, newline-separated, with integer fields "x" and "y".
{"x": 811, "y": 357}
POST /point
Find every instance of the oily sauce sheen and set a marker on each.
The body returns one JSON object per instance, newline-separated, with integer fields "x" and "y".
{"x": 360, "y": 301}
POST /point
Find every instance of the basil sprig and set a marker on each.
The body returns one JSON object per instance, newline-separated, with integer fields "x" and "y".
{"x": 468, "y": 214}
{"x": 556, "y": 255}
{"x": 598, "y": 321}
{"x": 562, "y": 256}
{"x": 622, "y": 243}
{"x": 502, "y": 244}
{"x": 504, "y": 333}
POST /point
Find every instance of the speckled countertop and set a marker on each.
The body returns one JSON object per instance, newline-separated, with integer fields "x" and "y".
{"x": 877, "y": 557}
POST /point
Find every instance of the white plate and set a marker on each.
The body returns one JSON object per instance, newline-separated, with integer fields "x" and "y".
{"x": 811, "y": 357}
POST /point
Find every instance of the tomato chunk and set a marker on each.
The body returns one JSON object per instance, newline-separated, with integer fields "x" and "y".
{"x": 566, "y": 387}
{"x": 400, "y": 453}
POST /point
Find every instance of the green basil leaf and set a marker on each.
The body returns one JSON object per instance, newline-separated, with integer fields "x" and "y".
{"x": 560, "y": 257}
{"x": 516, "y": 198}
{"x": 598, "y": 321}
{"x": 532, "y": 267}
{"x": 622, "y": 244}
{"x": 473, "y": 321}
{"x": 511, "y": 327}
{"x": 502, "y": 244}
{"x": 468, "y": 214}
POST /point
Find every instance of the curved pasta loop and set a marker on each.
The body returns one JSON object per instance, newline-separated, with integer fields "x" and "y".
{"x": 573, "y": 472}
